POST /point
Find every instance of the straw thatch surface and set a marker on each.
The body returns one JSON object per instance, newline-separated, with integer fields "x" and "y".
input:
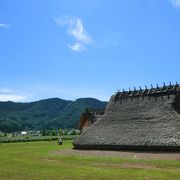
{"x": 89, "y": 117}
{"x": 150, "y": 122}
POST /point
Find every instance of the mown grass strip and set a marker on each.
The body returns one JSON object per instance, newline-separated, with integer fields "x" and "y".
{"x": 35, "y": 138}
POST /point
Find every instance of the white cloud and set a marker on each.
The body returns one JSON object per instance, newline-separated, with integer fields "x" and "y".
{"x": 76, "y": 29}
{"x": 79, "y": 33}
{"x": 175, "y": 3}
{"x": 7, "y": 94}
{"x": 77, "y": 47}
{"x": 2, "y": 25}
{"x": 12, "y": 97}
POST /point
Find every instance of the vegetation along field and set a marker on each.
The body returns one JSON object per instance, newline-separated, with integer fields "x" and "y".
{"x": 40, "y": 160}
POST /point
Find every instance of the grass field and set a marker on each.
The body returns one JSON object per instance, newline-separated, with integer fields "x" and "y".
{"x": 35, "y": 160}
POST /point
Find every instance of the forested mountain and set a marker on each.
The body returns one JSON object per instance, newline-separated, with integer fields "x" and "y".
{"x": 49, "y": 113}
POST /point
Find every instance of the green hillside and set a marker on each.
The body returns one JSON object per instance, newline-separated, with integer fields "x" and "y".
{"x": 50, "y": 113}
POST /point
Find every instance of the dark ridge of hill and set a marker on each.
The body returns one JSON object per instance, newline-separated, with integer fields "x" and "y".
{"x": 49, "y": 113}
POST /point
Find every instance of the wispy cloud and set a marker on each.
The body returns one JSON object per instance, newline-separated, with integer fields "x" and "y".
{"x": 2, "y": 25}
{"x": 12, "y": 97}
{"x": 77, "y": 47}
{"x": 79, "y": 33}
{"x": 76, "y": 29}
{"x": 9, "y": 95}
{"x": 175, "y": 3}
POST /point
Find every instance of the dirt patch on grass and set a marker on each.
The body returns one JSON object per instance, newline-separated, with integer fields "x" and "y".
{"x": 138, "y": 166}
{"x": 121, "y": 154}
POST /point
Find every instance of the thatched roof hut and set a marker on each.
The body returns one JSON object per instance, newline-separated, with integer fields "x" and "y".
{"x": 89, "y": 117}
{"x": 146, "y": 119}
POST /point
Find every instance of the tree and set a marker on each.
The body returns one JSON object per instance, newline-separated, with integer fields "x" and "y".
{"x": 65, "y": 132}
{"x": 60, "y": 132}
{"x": 73, "y": 132}
{"x": 45, "y": 132}
{"x": 54, "y": 133}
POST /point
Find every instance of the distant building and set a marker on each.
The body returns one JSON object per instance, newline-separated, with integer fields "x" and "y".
{"x": 89, "y": 117}
{"x": 23, "y": 133}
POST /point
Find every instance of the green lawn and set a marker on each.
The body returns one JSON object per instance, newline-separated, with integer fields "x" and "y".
{"x": 34, "y": 160}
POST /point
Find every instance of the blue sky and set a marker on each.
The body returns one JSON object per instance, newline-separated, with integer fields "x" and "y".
{"x": 71, "y": 49}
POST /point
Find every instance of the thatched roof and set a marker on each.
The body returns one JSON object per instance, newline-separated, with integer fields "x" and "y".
{"x": 146, "y": 119}
{"x": 91, "y": 115}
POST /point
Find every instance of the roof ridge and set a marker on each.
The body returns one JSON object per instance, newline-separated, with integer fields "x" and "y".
{"x": 153, "y": 91}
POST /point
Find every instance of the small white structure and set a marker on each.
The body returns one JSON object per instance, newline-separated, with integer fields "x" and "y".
{"x": 23, "y": 133}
